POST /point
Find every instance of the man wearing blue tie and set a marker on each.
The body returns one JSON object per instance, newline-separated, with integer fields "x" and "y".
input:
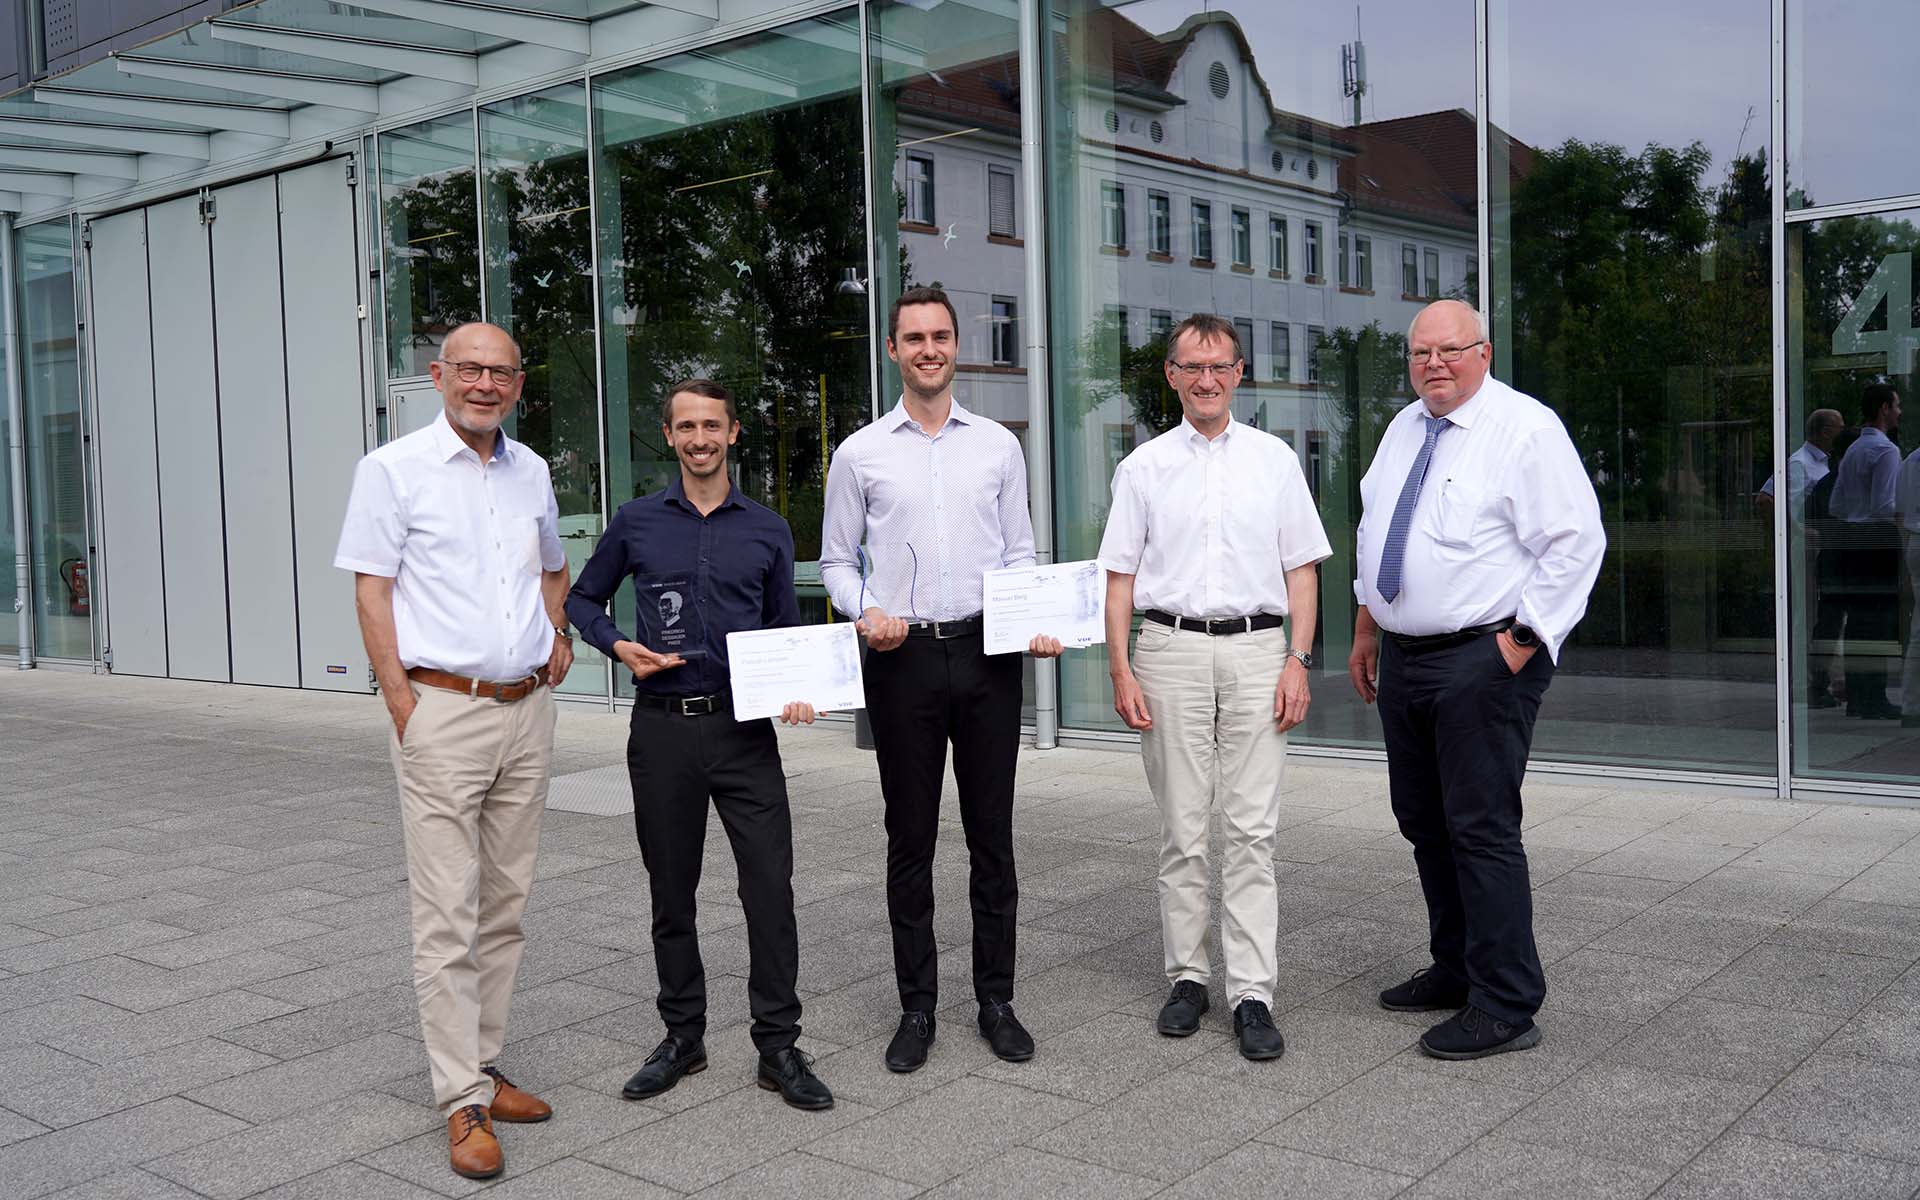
{"x": 1479, "y": 541}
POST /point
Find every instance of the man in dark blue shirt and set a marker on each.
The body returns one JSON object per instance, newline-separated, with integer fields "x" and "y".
{"x": 705, "y": 562}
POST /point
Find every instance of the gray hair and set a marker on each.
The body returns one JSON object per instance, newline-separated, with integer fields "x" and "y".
{"x": 1479, "y": 319}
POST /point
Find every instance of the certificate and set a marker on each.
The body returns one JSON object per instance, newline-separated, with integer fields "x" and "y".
{"x": 1062, "y": 600}
{"x": 772, "y": 668}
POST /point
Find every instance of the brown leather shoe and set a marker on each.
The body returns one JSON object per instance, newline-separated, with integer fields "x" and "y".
{"x": 472, "y": 1149}
{"x": 512, "y": 1104}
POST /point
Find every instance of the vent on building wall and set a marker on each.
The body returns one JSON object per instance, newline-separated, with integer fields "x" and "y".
{"x": 1218, "y": 80}
{"x": 1113, "y": 121}
{"x": 1279, "y": 161}
{"x": 1313, "y": 168}
{"x": 1157, "y": 132}
{"x": 61, "y": 28}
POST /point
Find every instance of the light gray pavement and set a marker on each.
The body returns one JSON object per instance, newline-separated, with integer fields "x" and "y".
{"x": 204, "y": 989}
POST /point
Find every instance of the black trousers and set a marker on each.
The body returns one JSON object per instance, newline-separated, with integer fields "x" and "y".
{"x": 1869, "y": 569}
{"x": 677, "y": 763}
{"x": 920, "y": 695}
{"x": 1458, "y": 728}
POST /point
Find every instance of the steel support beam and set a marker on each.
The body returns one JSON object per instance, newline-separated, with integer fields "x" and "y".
{"x": 207, "y": 114}
{"x": 540, "y": 29}
{"x": 38, "y": 183}
{"x": 16, "y": 447}
{"x": 77, "y": 162}
{"x": 306, "y": 89}
{"x": 1033, "y": 204}
{"x": 450, "y": 66}
{"x": 177, "y": 143}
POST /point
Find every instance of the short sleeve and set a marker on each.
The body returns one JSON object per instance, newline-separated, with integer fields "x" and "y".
{"x": 375, "y": 530}
{"x": 1302, "y": 539}
{"x": 1125, "y": 540}
{"x": 553, "y": 555}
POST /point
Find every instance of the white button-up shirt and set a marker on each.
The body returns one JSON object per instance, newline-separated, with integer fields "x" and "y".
{"x": 465, "y": 543}
{"x": 1210, "y": 528}
{"x": 935, "y": 513}
{"x": 1866, "y": 486}
{"x": 1805, "y": 467}
{"x": 1507, "y": 524}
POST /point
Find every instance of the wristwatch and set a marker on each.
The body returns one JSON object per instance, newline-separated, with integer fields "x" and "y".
{"x": 565, "y": 631}
{"x": 1305, "y": 657}
{"x": 1523, "y": 635}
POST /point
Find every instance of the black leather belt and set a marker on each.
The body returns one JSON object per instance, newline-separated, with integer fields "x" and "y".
{"x": 687, "y": 706}
{"x": 945, "y": 629}
{"x": 1440, "y": 641}
{"x": 1217, "y": 626}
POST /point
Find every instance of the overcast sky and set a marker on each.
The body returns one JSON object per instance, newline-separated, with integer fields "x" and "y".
{"x": 1623, "y": 71}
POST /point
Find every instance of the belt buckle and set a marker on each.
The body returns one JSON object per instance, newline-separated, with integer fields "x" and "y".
{"x": 688, "y": 709}
{"x": 940, "y": 633}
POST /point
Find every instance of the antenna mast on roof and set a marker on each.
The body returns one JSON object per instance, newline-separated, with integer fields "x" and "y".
{"x": 1353, "y": 67}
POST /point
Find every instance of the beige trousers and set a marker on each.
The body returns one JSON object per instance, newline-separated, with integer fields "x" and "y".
{"x": 473, "y": 782}
{"x": 1214, "y": 748}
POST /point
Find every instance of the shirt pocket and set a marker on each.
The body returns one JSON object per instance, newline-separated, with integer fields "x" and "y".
{"x": 1455, "y": 515}
{"x": 520, "y": 543}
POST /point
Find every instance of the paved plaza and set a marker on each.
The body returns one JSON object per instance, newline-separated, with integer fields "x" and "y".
{"x": 204, "y": 988}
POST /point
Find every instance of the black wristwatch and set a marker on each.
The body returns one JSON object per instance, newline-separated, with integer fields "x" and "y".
{"x": 1523, "y": 635}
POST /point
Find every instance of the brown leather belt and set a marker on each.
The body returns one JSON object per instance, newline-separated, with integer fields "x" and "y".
{"x": 481, "y": 689}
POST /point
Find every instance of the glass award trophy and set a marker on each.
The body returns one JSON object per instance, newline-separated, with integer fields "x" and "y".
{"x": 669, "y": 619}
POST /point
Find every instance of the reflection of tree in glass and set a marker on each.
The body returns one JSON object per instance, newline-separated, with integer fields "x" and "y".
{"x": 433, "y": 249}
{"x": 731, "y": 243}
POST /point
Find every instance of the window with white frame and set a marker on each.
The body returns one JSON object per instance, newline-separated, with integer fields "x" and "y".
{"x": 1277, "y": 244}
{"x": 1159, "y": 223}
{"x": 1113, "y": 216}
{"x": 1343, "y": 250}
{"x": 1006, "y": 332}
{"x": 1202, "y": 230}
{"x": 1159, "y": 325}
{"x": 920, "y": 188}
{"x": 1363, "y": 263}
{"x": 1280, "y": 351}
{"x": 1310, "y": 249}
{"x": 1242, "y": 238}
{"x": 1244, "y": 331}
{"x": 1433, "y": 273}
{"x": 1315, "y": 335}
{"x": 1000, "y": 203}
{"x": 1409, "y": 269}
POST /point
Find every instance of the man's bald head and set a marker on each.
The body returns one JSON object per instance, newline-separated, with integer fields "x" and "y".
{"x": 480, "y": 341}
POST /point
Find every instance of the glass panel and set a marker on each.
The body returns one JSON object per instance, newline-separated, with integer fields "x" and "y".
{"x": 330, "y": 16}
{"x": 9, "y": 586}
{"x": 539, "y": 279}
{"x": 1853, "y": 555}
{"x": 946, "y": 84}
{"x": 1249, "y": 117}
{"x": 56, "y": 447}
{"x": 194, "y": 46}
{"x": 1630, "y": 294}
{"x": 733, "y": 245}
{"x": 1850, "y": 129}
{"x": 432, "y": 251}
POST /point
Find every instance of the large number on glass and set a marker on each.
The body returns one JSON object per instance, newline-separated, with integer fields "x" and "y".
{"x": 1891, "y": 285}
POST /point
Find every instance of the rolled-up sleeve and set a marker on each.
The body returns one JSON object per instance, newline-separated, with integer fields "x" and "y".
{"x": 374, "y": 533}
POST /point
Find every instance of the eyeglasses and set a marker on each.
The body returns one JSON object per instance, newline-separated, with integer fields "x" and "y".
{"x": 1446, "y": 354}
{"x": 470, "y": 372}
{"x": 1196, "y": 370}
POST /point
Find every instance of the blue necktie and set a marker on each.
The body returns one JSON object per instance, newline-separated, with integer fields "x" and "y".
{"x": 1394, "y": 554}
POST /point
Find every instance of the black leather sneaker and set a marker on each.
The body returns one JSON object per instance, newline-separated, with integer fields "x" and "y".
{"x": 672, "y": 1059}
{"x": 908, "y": 1049}
{"x": 1471, "y": 1033}
{"x": 1430, "y": 990}
{"x": 1180, "y": 1016}
{"x": 1010, "y": 1040}
{"x": 1253, "y": 1025}
{"x": 790, "y": 1073}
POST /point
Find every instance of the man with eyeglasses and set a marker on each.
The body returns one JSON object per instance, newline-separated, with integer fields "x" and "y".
{"x": 940, "y": 495}
{"x": 1479, "y": 541}
{"x": 1213, "y": 532}
{"x": 452, "y": 533}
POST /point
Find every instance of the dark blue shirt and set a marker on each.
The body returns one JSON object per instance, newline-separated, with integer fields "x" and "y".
{"x": 738, "y": 558}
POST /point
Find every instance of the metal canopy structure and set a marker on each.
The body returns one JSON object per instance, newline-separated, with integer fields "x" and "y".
{"x": 278, "y": 73}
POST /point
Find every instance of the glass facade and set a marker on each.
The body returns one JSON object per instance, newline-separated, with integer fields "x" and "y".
{"x": 749, "y": 209}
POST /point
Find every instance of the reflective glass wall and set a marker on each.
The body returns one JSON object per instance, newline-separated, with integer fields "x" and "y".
{"x": 1211, "y": 161}
{"x": 9, "y": 627}
{"x": 1629, "y": 287}
{"x": 432, "y": 253}
{"x": 56, "y": 458}
{"x": 732, "y": 244}
{"x": 537, "y": 230}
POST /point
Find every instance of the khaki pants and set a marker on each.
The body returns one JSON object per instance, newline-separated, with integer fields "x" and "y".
{"x": 1214, "y": 748}
{"x": 473, "y": 782}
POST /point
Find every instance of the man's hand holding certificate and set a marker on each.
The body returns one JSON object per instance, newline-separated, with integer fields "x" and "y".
{"x": 1063, "y": 602}
{"x": 799, "y": 668}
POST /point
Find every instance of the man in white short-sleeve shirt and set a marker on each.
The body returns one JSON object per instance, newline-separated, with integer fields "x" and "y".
{"x": 1213, "y": 533}
{"x": 460, "y": 581}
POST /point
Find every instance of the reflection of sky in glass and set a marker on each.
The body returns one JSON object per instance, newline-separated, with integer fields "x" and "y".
{"x": 1850, "y": 84}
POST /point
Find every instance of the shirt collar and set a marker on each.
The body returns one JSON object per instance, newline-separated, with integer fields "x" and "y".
{"x": 1813, "y": 452}
{"x": 449, "y": 445}
{"x": 1469, "y": 410}
{"x": 900, "y": 418}
{"x": 1875, "y": 431}
{"x": 677, "y": 494}
{"x": 1199, "y": 440}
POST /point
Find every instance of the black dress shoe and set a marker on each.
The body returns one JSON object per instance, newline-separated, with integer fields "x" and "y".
{"x": 674, "y": 1057}
{"x": 1010, "y": 1040}
{"x": 908, "y": 1049}
{"x": 790, "y": 1073}
{"x": 1430, "y": 990}
{"x": 1253, "y": 1025}
{"x": 1471, "y": 1033}
{"x": 1180, "y": 1016}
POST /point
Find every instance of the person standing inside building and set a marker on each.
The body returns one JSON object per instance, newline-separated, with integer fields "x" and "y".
{"x": 452, "y": 534}
{"x": 1867, "y": 552}
{"x": 938, "y": 496}
{"x": 1479, "y": 541}
{"x": 705, "y": 562}
{"x": 1213, "y": 532}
